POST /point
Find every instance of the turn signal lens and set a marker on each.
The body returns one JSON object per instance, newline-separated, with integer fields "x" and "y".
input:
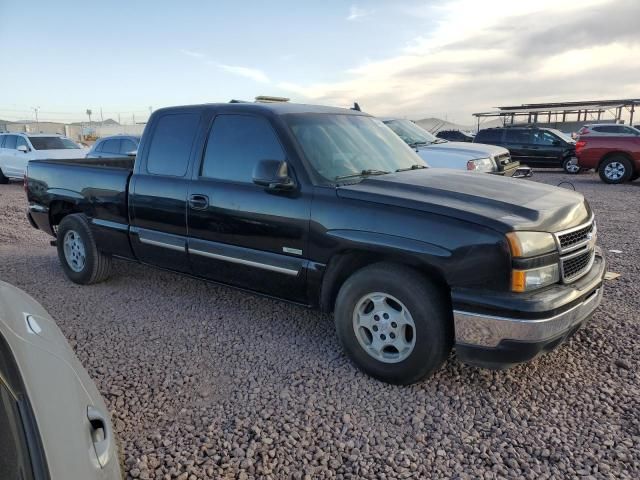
{"x": 527, "y": 280}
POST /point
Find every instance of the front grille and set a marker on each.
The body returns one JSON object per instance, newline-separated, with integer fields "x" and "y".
{"x": 576, "y": 265}
{"x": 575, "y": 237}
{"x": 577, "y": 250}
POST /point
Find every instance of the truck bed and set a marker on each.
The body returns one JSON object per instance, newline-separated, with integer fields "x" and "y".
{"x": 98, "y": 187}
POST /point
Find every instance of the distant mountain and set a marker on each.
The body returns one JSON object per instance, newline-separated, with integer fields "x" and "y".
{"x": 108, "y": 121}
{"x": 434, "y": 125}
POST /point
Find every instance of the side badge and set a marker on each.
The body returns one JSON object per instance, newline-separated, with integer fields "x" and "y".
{"x": 294, "y": 251}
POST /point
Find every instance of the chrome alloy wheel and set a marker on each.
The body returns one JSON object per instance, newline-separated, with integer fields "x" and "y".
{"x": 572, "y": 165}
{"x": 384, "y": 327}
{"x": 614, "y": 171}
{"x": 74, "y": 252}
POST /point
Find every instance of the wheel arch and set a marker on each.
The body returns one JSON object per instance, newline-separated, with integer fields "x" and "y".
{"x": 345, "y": 263}
{"x": 618, "y": 153}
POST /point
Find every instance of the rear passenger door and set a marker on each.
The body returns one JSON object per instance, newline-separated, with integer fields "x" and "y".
{"x": 8, "y": 156}
{"x": 158, "y": 191}
{"x": 240, "y": 233}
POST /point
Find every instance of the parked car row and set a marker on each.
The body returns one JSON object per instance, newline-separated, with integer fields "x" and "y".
{"x": 440, "y": 153}
{"x": 17, "y": 149}
{"x": 329, "y": 208}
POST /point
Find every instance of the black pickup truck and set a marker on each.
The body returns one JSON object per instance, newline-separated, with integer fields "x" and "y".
{"x": 329, "y": 208}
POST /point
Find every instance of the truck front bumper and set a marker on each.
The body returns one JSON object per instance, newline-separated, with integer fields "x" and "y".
{"x": 489, "y": 339}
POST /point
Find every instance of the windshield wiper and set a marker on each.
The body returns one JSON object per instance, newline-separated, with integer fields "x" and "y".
{"x": 363, "y": 173}
{"x": 417, "y": 144}
{"x": 416, "y": 166}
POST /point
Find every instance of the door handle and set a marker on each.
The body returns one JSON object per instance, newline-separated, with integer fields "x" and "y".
{"x": 198, "y": 202}
{"x": 100, "y": 434}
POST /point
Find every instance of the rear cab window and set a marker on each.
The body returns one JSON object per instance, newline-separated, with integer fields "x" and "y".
{"x": 235, "y": 146}
{"x": 111, "y": 146}
{"x": 171, "y": 143}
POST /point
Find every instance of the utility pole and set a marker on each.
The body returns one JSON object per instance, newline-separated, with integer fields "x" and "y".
{"x": 89, "y": 112}
{"x": 101, "y": 117}
{"x": 133, "y": 117}
{"x": 36, "y": 109}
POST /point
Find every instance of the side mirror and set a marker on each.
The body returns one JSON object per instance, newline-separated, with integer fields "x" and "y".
{"x": 23, "y": 148}
{"x": 273, "y": 174}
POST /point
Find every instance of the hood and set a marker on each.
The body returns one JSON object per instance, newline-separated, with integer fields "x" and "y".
{"x": 470, "y": 150}
{"x": 64, "y": 153}
{"x": 504, "y": 204}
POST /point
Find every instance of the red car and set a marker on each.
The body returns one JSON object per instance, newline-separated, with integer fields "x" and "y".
{"x": 616, "y": 158}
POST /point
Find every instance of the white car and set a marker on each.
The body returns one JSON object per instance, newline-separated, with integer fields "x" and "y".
{"x": 609, "y": 129}
{"x": 53, "y": 422}
{"x": 16, "y": 149}
{"x": 440, "y": 153}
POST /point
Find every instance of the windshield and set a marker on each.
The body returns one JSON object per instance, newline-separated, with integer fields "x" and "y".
{"x": 411, "y": 133}
{"x": 341, "y": 145}
{"x": 562, "y": 135}
{"x": 52, "y": 143}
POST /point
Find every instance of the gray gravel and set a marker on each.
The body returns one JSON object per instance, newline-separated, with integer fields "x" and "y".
{"x": 208, "y": 382}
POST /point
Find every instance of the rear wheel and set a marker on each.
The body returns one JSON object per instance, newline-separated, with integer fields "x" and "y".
{"x": 3, "y": 179}
{"x": 615, "y": 169}
{"x": 394, "y": 324}
{"x": 81, "y": 260}
{"x": 570, "y": 165}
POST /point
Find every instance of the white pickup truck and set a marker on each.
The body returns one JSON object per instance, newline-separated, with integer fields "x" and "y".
{"x": 17, "y": 149}
{"x": 440, "y": 153}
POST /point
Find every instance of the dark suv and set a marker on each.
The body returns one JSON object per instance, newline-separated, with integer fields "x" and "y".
{"x": 538, "y": 147}
{"x": 455, "y": 135}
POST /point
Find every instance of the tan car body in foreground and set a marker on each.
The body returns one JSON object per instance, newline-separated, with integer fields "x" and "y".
{"x": 65, "y": 421}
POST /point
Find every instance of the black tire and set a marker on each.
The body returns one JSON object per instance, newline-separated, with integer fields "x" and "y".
{"x": 429, "y": 306}
{"x": 3, "y": 179}
{"x": 635, "y": 176}
{"x": 568, "y": 168}
{"x": 96, "y": 266}
{"x": 618, "y": 164}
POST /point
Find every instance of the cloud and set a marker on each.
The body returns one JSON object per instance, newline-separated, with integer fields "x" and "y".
{"x": 356, "y": 13}
{"x": 498, "y": 52}
{"x": 247, "y": 72}
{"x": 191, "y": 53}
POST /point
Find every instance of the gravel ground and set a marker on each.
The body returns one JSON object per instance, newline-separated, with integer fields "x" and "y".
{"x": 208, "y": 382}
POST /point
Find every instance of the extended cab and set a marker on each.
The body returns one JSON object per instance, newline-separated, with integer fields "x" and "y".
{"x": 329, "y": 208}
{"x": 616, "y": 158}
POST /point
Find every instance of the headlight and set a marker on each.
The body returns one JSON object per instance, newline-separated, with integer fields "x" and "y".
{"x": 526, "y": 280}
{"x": 480, "y": 165}
{"x": 530, "y": 244}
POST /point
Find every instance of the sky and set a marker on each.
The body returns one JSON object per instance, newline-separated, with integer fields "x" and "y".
{"x": 408, "y": 58}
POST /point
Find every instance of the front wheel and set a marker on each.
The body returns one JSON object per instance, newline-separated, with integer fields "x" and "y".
{"x": 394, "y": 324}
{"x": 570, "y": 165}
{"x": 81, "y": 260}
{"x": 615, "y": 169}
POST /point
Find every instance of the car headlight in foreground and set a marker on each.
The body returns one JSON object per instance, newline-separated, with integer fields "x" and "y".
{"x": 534, "y": 249}
{"x": 480, "y": 165}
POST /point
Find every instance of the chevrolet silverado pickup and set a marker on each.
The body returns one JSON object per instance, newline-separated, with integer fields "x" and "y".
{"x": 329, "y": 208}
{"x": 616, "y": 158}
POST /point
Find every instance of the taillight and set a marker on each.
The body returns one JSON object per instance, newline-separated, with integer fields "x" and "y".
{"x": 471, "y": 165}
{"x": 580, "y": 144}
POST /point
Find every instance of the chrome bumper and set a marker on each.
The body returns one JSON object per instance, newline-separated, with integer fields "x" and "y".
{"x": 488, "y": 331}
